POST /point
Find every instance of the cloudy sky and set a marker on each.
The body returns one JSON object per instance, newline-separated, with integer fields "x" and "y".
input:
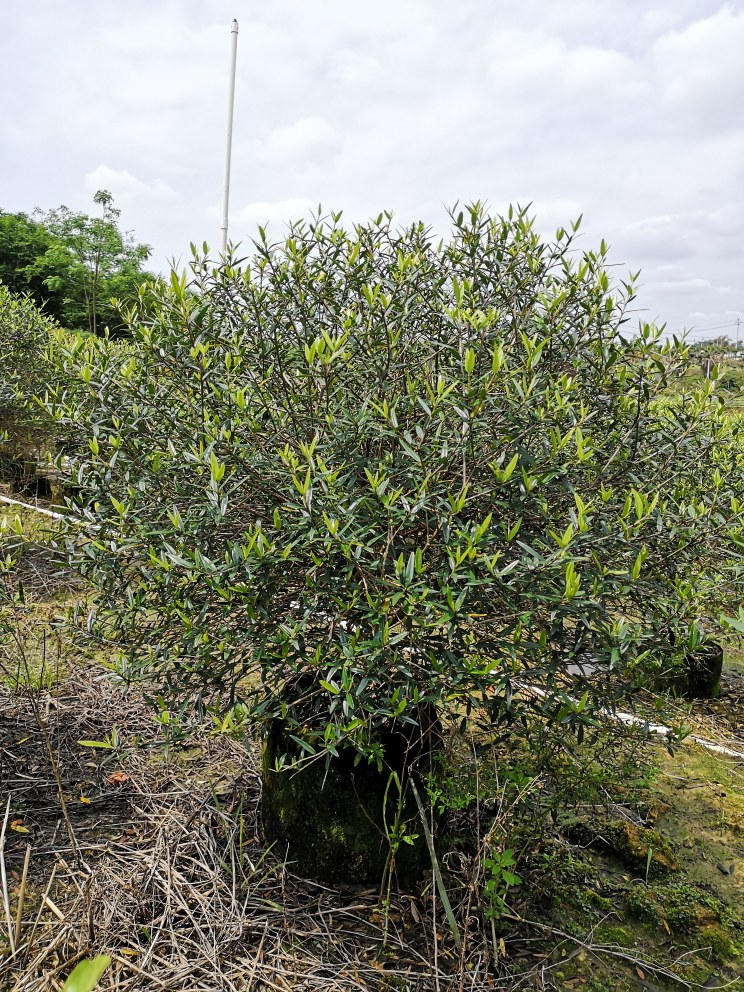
{"x": 630, "y": 112}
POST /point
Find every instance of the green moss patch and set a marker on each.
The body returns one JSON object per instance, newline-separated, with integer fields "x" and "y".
{"x": 645, "y": 852}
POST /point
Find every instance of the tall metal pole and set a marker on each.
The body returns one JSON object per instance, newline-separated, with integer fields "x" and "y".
{"x": 228, "y": 145}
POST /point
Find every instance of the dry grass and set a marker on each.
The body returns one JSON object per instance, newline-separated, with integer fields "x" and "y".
{"x": 174, "y": 883}
{"x": 168, "y": 875}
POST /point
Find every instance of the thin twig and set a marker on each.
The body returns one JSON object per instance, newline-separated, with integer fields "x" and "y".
{"x": 616, "y": 952}
{"x": 4, "y": 880}
{"x": 22, "y": 896}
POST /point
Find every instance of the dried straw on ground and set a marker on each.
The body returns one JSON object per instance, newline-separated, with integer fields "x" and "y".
{"x": 177, "y": 888}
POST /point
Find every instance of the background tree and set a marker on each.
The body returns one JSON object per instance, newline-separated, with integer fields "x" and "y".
{"x": 25, "y": 372}
{"x": 720, "y": 345}
{"x": 92, "y": 261}
{"x": 24, "y": 243}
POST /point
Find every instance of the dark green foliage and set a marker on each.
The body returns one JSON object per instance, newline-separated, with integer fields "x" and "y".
{"x": 24, "y": 267}
{"x": 25, "y": 372}
{"x": 340, "y": 820}
{"x": 408, "y": 472}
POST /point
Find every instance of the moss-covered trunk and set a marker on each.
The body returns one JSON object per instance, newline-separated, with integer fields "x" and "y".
{"x": 704, "y": 668}
{"x": 343, "y": 820}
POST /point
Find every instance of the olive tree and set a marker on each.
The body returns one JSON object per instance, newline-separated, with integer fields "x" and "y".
{"x": 365, "y": 478}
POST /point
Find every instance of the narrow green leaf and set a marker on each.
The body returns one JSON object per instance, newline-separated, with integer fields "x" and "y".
{"x": 435, "y": 868}
{"x": 86, "y": 974}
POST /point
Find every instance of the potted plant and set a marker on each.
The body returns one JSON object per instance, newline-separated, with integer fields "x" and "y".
{"x": 365, "y": 480}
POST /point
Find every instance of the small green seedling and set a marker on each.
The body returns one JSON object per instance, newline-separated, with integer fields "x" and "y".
{"x": 500, "y": 880}
{"x": 109, "y": 743}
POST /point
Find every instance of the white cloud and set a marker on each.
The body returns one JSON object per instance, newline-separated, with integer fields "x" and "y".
{"x": 126, "y": 187}
{"x": 262, "y": 212}
{"x": 630, "y": 113}
{"x": 299, "y": 143}
{"x": 355, "y": 69}
{"x": 701, "y": 71}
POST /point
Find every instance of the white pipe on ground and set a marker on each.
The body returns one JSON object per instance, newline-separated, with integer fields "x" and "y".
{"x": 654, "y": 729}
{"x": 39, "y": 509}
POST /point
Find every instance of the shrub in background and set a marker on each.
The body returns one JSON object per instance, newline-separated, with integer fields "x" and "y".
{"x": 25, "y": 372}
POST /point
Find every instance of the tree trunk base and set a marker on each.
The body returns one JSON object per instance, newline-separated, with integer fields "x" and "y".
{"x": 704, "y": 668}
{"x": 330, "y": 819}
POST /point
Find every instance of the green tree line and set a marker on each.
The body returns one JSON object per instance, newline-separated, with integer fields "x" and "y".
{"x": 73, "y": 265}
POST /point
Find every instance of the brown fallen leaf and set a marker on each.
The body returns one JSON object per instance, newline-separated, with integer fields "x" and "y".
{"x": 641, "y": 973}
{"x": 117, "y": 778}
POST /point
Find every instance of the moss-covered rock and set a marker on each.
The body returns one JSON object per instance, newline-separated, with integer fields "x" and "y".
{"x": 641, "y": 849}
{"x": 644, "y": 851}
{"x": 336, "y": 819}
{"x": 689, "y": 912}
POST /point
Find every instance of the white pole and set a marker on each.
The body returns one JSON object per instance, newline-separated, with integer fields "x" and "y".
{"x": 228, "y": 145}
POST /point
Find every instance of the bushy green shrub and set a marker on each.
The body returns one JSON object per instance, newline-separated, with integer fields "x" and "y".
{"x": 366, "y": 470}
{"x": 25, "y": 372}
{"x": 731, "y": 377}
